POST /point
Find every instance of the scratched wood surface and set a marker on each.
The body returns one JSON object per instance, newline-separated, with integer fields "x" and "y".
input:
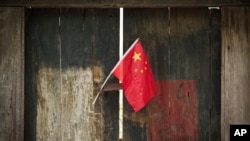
{"x": 68, "y": 54}
{"x": 11, "y": 73}
{"x": 70, "y": 51}
{"x": 235, "y": 68}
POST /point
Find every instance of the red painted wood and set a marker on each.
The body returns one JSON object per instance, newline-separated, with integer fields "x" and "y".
{"x": 175, "y": 116}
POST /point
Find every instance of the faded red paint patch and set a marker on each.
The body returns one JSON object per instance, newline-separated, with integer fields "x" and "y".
{"x": 174, "y": 112}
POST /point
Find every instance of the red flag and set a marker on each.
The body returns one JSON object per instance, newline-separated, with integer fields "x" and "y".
{"x": 136, "y": 76}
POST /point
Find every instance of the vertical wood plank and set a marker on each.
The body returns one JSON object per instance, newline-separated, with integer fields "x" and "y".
{"x": 83, "y": 71}
{"x": 48, "y": 75}
{"x": 215, "y": 69}
{"x": 235, "y": 68}
{"x": 11, "y": 73}
{"x": 104, "y": 27}
{"x": 190, "y": 60}
{"x": 77, "y": 78}
{"x": 43, "y": 113}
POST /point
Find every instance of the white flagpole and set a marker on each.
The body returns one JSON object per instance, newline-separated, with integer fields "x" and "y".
{"x": 121, "y": 91}
{"x": 107, "y": 78}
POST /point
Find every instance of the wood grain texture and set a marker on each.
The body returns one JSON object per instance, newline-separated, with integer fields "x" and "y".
{"x": 70, "y": 51}
{"x": 65, "y": 64}
{"x": 215, "y": 75}
{"x": 11, "y": 73}
{"x": 179, "y": 43}
{"x": 235, "y": 68}
{"x": 190, "y": 60}
{"x": 43, "y": 91}
{"x": 105, "y": 43}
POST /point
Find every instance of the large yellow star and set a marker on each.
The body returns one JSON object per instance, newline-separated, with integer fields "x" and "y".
{"x": 136, "y": 56}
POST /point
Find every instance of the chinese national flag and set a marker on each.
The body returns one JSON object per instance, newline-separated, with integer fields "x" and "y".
{"x": 135, "y": 74}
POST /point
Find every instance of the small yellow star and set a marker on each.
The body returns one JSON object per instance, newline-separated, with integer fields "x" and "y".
{"x": 136, "y": 56}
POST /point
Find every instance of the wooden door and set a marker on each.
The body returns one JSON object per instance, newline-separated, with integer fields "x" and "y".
{"x": 70, "y": 51}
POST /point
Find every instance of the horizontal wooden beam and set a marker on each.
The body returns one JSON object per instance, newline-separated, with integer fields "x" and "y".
{"x": 112, "y": 87}
{"x": 122, "y": 3}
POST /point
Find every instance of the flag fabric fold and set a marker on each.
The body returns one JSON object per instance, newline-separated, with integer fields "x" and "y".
{"x": 136, "y": 76}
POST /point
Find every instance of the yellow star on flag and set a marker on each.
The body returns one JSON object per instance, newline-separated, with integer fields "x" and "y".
{"x": 136, "y": 56}
{"x": 136, "y": 77}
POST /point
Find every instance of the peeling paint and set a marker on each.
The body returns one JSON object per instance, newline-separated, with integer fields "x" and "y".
{"x": 65, "y": 110}
{"x": 98, "y": 74}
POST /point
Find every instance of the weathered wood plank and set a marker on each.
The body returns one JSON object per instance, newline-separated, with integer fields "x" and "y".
{"x": 11, "y": 73}
{"x": 189, "y": 60}
{"x": 105, "y": 46}
{"x": 235, "y": 68}
{"x": 43, "y": 94}
{"x": 79, "y": 75}
{"x": 215, "y": 70}
{"x": 68, "y": 54}
{"x": 123, "y": 3}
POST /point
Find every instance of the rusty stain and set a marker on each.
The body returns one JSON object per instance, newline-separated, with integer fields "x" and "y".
{"x": 98, "y": 73}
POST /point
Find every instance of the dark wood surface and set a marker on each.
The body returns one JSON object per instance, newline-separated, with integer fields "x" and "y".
{"x": 123, "y": 3}
{"x": 11, "y": 73}
{"x": 179, "y": 44}
{"x": 68, "y": 53}
{"x": 42, "y": 51}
